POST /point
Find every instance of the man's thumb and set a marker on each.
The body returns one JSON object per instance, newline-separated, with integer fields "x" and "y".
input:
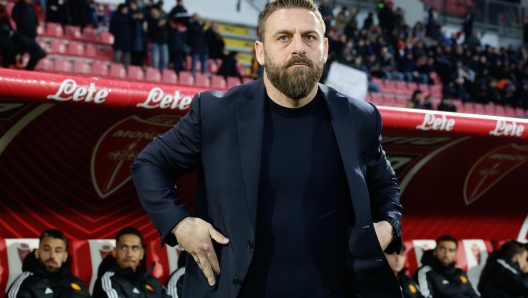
{"x": 217, "y": 236}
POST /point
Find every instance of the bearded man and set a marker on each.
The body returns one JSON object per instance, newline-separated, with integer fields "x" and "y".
{"x": 295, "y": 197}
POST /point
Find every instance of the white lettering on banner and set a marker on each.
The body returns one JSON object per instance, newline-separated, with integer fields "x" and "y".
{"x": 510, "y": 157}
{"x": 70, "y": 87}
{"x": 158, "y": 99}
{"x": 504, "y": 128}
{"x": 431, "y": 122}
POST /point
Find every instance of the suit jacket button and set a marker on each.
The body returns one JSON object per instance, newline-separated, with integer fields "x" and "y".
{"x": 250, "y": 244}
{"x": 237, "y": 282}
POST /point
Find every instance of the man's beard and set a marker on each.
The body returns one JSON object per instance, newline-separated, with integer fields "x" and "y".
{"x": 295, "y": 83}
{"x": 50, "y": 269}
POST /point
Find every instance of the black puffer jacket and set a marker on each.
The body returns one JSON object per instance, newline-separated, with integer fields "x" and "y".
{"x": 438, "y": 281}
{"x": 502, "y": 278}
{"x": 114, "y": 281}
{"x": 36, "y": 282}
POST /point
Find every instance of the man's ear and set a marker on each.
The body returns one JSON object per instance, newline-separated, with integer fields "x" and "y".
{"x": 65, "y": 257}
{"x": 259, "y": 52}
{"x": 325, "y": 49}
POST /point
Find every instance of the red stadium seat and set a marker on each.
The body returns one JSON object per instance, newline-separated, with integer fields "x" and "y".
{"x": 85, "y": 257}
{"x": 401, "y": 102}
{"x": 53, "y": 30}
{"x": 43, "y": 44}
{"x": 117, "y": 71}
{"x": 40, "y": 29}
{"x": 489, "y": 110}
{"x": 57, "y": 47}
{"x": 436, "y": 91}
{"x": 135, "y": 73}
{"x": 500, "y": 111}
{"x": 520, "y": 113}
{"x": 390, "y": 87}
{"x": 152, "y": 75}
{"x": 479, "y": 109}
{"x": 420, "y": 246}
{"x": 185, "y": 78}
{"x": 436, "y": 103}
{"x": 510, "y": 112}
{"x": 232, "y": 82}
{"x": 378, "y": 82}
{"x": 218, "y": 82}
{"x": 75, "y": 48}
{"x": 188, "y": 63}
{"x": 99, "y": 69}
{"x": 498, "y": 244}
{"x": 201, "y": 80}
{"x": 106, "y": 53}
{"x": 469, "y": 108}
{"x": 459, "y": 106}
{"x": 246, "y": 80}
{"x": 106, "y": 37}
{"x": 413, "y": 86}
{"x": 388, "y": 100}
{"x": 166, "y": 260}
{"x": 61, "y": 65}
{"x": 401, "y": 88}
{"x": 72, "y": 32}
{"x": 241, "y": 69}
{"x": 91, "y": 50}
{"x": 169, "y": 77}
{"x": 89, "y": 35}
{"x": 81, "y": 67}
{"x": 44, "y": 64}
{"x": 12, "y": 254}
{"x": 211, "y": 66}
{"x": 376, "y": 99}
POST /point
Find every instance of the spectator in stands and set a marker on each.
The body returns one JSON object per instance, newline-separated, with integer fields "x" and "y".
{"x": 359, "y": 65}
{"x": 327, "y": 14}
{"x": 447, "y": 105}
{"x": 408, "y": 67}
{"x": 158, "y": 33}
{"x": 467, "y": 26}
{"x": 198, "y": 43}
{"x": 502, "y": 275}
{"x": 431, "y": 27}
{"x": 473, "y": 41}
{"x": 100, "y": 15}
{"x": 417, "y": 98}
{"x": 26, "y": 21}
{"x": 121, "y": 26}
{"x": 409, "y": 287}
{"x": 439, "y": 277}
{"x": 229, "y": 66}
{"x": 388, "y": 66}
{"x": 7, "y": 46}
{"x": 178, "y": 48}
{"x": 369, "y": 20}
{"x": 179, "y": 8}
{"x": 522, "y": 95}
{"x": 139, "y": 41}
{"x": 215, "y": 42}
{"x": 343, "y": 18}
{"x": 45, "y": 274}
{"x": 175, "y": 282}
{"x": 386, "y": 16}
{"x": 419, "y": 31}
{"x": 525, "y": 31}
{"x": 79, "y": 12}
{"x": 121, "y": 275}
{"x": 351, "y": 30}
{"x": 57, "y": 12}
{"x": 428, "y": 103}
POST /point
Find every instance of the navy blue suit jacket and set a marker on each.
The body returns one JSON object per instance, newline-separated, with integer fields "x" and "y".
{"x": 221, "y": 136}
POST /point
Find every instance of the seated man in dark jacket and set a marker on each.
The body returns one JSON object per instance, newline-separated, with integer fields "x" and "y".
{"x": 121, "y": 275}
{"x": 26, "y": 21}
{"x": 502, "y": 276}
{"x": 45, "y": 274}
{"x": 439, "y": 277}
{"x": 408, "y": 286}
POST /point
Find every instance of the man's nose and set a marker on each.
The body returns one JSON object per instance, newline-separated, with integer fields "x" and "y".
{"x": 298, "y": 45}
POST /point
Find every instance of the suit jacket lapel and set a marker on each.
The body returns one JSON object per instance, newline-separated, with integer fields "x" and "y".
{"x": 250, "y": 122}
{"x": 342, "y": 120}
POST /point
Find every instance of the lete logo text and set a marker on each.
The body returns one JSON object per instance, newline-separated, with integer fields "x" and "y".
{"x": 158, "y": 99}
{"x": 505, "y": 128}
{"x": 436, "y": 122}
{"x": 69, "y": 90}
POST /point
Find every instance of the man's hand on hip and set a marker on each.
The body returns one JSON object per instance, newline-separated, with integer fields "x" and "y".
{"x": 384, "y": 232}
{"x": 194, "y": 235}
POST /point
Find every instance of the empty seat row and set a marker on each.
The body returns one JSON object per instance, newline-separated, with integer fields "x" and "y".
{"x": 73, "y": 32}
{"x": 76, "y": 49}
{"x": 406, "y": 89}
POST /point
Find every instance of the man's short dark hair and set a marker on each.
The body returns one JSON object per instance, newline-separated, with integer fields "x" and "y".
{"x": 129, "y": 231}
{"x": 55, "y": 234}
{"x": 512, "y": 248}
{"x": 448, "y": 238}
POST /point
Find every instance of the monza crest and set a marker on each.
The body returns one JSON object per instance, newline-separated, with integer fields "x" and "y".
{"x": 119, "y": 145}
{"x": 491, "y": 168}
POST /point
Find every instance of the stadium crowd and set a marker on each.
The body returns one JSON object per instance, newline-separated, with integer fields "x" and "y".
{"x": 123, "y": 273}
{"x": 391, "y": 49}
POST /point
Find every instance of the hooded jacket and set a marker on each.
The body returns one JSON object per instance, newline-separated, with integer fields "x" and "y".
{"x": 35, "y": 282}
{"x": 409, "y": 287}
{"x": 113, "y": 282}
{"x": 502, "y": 277}
{"x": 436, "y": 280}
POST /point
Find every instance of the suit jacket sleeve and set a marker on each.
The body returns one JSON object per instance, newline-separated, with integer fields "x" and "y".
{"x": 383, "y": 186}
{"x": 160, "y": 164}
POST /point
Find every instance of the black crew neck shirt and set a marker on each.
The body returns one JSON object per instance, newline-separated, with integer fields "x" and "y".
{"x": 300, "y": 241}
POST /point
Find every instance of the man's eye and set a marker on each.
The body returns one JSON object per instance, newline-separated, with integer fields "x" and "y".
{"x": 283, "y": 38}
{"x": 310, "y": 37}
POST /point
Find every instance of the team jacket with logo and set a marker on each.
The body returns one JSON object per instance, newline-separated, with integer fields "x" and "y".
{"x": 409, "y": 287}
{"x": 438, "y": 281}
{"x": 35, "y": 282}
{"x": 115, "y": 282}
{"x": 502, "y": 278}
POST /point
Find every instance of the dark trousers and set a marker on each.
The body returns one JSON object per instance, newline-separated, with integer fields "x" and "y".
{"x": 177, "y": 60}
{"x": 137, "y": 58}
